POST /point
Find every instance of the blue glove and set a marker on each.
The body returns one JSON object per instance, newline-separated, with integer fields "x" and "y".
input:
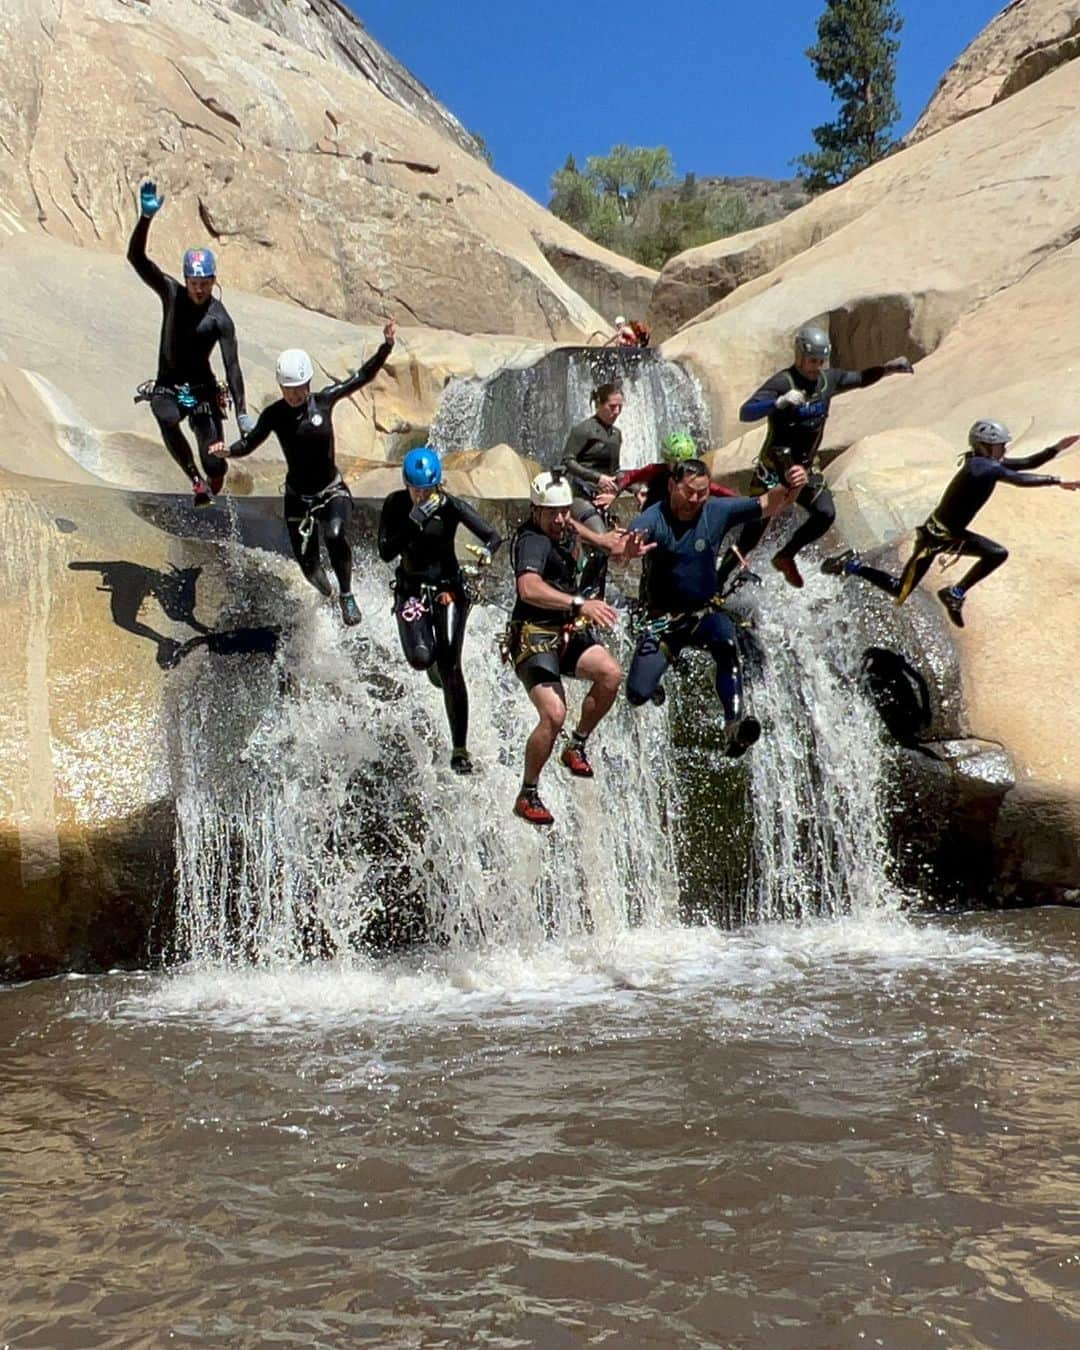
{"x": 149, "y": 200}
{"x": 246, "y": 423}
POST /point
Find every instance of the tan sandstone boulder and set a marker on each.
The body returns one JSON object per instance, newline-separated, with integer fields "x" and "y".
{"x": 1027, "y": 40}
{"x": 312, "y": 185}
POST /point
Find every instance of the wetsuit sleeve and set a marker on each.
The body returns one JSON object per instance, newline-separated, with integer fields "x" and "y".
{"x": 647, "y": 472}
{"x": 730, "y": 512}
{"x": 231, "y": 358}
{"x": 531, "y": 552}
{"x": 261, "y": 430}
{"x": 475, "y": 523}
{"x": 1034, "y": 461}
{"x": 843, "y": 380}
{"x": 576, "y": 442}
{"x": 759, "y": 404}
{"x": 1008, "y": 473}
{"x": 149, "y": 271}
{"x": 393, "y": 526}
{"x": 367, "y": 372}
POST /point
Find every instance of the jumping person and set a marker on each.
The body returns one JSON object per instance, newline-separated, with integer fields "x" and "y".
{"x": 796, "y": 402}
{"x": 431, "y": 600}
{"x": 946, "y": 531}
{"x": 682, "y": 603}
{"x": 193, "y": 323}
{"x": 553, "y": 633}
{"x": 317, "y": 499}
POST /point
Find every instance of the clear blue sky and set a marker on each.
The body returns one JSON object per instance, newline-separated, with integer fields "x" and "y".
{"x": 725, "y": 85}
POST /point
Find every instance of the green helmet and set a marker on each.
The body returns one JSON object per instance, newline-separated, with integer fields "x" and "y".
{"x": 677, "y": 447}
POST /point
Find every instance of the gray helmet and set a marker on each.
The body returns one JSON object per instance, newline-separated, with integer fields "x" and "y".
{"x": 811, "y": 340}
{"x": 988, "y": 432}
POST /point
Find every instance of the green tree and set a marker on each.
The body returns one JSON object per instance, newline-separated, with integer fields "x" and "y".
{"x": 574, "y": 197}
{"x": 855, "y": 55}
{"x": 628, "y": 175}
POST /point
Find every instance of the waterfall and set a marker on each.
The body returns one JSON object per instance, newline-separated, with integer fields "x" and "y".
{"x": 532, "y": 409}
{"x": 317, "y": 816}
{"x": 817, "y": 777}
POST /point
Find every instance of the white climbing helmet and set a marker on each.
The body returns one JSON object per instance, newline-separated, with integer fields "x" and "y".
{"x": 294, "y": 368}
{"x": 550, "y": 488}
{"x": 986, "y": 431}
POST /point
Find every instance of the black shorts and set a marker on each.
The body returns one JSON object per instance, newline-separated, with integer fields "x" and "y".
{"x": 550, "y": 667}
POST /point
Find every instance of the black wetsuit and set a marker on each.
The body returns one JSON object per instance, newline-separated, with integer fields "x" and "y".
{"x": 546, "y": 644}
{"x": 794, "y": 438}
{"x": 432, "y": 633}
{"x": 316, "y": 498}
{"x": 945, "y": 530}
{"x": 681, "y": 587}
{"x": 186, "y": 385}
{"x": 591, "y": 451}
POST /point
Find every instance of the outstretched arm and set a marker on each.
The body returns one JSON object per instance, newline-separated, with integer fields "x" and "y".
{"x": 1040, "y": 457}
{"x": 475, "y": 523}
{"x": 863, "y": 379}
{"x": 254, "y": 438}
{"x": 149, "y": 271}
{"x": 367, "y": 372}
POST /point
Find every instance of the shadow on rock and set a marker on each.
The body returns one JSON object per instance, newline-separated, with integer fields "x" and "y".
{"x": 129, "y": 585}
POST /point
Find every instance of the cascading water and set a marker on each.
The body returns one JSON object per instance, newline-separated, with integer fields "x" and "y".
{"x": 317, "y": 815}
{"x": 533, "y": 409}
{"x": 817, "y": 777}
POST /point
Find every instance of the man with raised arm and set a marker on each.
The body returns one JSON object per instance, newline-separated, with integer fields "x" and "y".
{"x": 193, "y": 323}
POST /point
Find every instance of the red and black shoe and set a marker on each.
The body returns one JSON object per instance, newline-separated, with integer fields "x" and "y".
{"x": 529, "y": 807}
{"x": 789, "y": 570}
{"x": 577, "y": 760}
{"x": 203, "y": 495}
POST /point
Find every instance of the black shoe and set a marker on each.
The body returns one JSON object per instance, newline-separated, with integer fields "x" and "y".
{"x": 203, "y": 496}
{"x": 320, "y": 581}
{"x": 461, "y": 761}
{"x": 658, "y": 696}
{"x": 740, "y": 736}
{"x": 350, "y": 610}
{"x": 836, "y": 566}
{"x": 954, "y": 605}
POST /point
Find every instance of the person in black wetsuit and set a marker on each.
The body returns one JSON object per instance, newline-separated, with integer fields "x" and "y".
{"x": 193, "y": 323}
{"x": 796, "y": 402}
{"x": 431, "y": 600}
{"x": 946, "y": 529}
{"x": 590, "y": 458}
{"x": 682, "y": 602}
{"x": 317, "y": 499}
{"x": 553, "y": 632}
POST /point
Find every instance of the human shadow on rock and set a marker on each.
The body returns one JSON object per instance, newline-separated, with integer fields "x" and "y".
{"x": 129, "y": 585}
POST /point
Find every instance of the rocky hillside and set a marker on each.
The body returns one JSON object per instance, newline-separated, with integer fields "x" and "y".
{"x": 1027, "y": 40}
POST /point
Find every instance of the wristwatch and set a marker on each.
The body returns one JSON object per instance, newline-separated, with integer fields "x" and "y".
{"x": 577, "y": 602}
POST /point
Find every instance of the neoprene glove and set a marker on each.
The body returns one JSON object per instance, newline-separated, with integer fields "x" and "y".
{"x": 246, "y": 423}
{"x": 794, "y": 398}
{"x": 423, "y": 511}
{"x": 149, "y": 200}
{"x": 900, "y": 364}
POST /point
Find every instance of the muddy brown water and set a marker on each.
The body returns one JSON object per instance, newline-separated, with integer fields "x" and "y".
{"x": 853, "y": 1134}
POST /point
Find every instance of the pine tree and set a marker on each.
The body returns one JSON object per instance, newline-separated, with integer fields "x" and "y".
{"x": 855, "y": 56}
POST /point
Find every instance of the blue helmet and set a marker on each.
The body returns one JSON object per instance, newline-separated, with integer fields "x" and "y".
{"x": 199, "y": 262}
{"x": 422, "y": 467}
